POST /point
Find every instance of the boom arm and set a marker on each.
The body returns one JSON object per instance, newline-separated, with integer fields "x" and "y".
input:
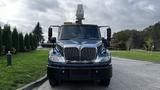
{"x": 79, "y": 14}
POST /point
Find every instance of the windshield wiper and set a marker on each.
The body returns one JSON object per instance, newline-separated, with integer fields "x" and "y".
{"x": 89, "y": 38}
{"x": 65, "y": 39}
{"x": 92, "y": 38}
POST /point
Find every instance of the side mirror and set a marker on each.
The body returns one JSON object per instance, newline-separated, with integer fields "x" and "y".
{"x": 49, "y": 34}
{"x": 53, "y": 40}
{"x": 109, "y": 34}
{"x": 105, "y": 42}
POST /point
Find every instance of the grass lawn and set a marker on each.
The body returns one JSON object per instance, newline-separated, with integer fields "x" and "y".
{"x": 26, "y": 68}
{"x": 138, "y": 55}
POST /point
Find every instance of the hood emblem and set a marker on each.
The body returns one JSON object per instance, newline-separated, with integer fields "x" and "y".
{"x": 79, "y": 47}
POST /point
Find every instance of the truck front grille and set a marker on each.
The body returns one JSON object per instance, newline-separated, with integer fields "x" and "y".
{"x": 71, "y": 53}
{"x": 88, "y": 53}
{"x": 76, "y": 54}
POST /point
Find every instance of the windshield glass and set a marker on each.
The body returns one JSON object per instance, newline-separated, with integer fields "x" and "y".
{"x": 79, "y": 32}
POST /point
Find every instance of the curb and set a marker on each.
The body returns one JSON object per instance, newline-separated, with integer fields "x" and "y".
{"x": 34, "y": 84}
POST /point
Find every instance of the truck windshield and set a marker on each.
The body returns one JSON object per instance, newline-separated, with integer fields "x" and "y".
{"x": 79, "y": 32}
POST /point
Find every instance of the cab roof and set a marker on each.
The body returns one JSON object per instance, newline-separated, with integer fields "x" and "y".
{"x": 73, "y": 24}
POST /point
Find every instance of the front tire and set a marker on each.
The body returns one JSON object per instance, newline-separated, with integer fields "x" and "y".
{"x": 53, "y": 82}
{"x": 105, "y": 82}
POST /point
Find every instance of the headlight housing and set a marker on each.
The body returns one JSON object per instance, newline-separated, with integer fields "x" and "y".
{"x": 55, "y": 56}
{"x": 103, "y": 56}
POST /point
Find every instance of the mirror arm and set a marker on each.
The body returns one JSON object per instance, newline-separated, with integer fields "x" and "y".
{"x": 54, "y": 26}
{"x": 104, "y": 26}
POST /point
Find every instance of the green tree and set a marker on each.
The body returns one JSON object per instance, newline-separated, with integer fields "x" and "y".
{"x": 128, "y": 39}
{"x": 0, "y": 41}
{"x": 7, "y": 38}
{"x": 149, "y": 43}
{"x": 27, "y": 42}
{"x": 153, "y": 31}
{"x": 15, "y": 39}
{"x": 121, "y": 38}
{"x": 38, "y": 33}
{"x": 35, "y": 44}
{"x": 21, "y": 42}
{"x": 137, "y": 40}
{"x": 31, "y": 41}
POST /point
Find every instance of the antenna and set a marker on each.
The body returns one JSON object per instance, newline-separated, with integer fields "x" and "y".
{"x": 79, "y": 14}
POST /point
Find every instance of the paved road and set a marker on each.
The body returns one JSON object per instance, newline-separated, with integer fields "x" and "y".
{"x": 127, "y": 75}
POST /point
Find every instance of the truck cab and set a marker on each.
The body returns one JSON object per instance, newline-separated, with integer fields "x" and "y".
{"x": 79, "y": 53}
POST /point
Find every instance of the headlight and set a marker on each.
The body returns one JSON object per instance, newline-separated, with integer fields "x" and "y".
{"x": 55, "y": 56}
{"x": 104, "y": 56}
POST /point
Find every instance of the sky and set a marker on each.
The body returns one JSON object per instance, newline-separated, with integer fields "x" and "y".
{"x": 118, "y": 14}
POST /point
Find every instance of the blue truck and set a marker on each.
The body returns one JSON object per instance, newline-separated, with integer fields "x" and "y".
{"x": 79, "y": 52}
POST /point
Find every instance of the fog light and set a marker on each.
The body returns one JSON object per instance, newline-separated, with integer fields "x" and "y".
{"x": 63, "y": 71}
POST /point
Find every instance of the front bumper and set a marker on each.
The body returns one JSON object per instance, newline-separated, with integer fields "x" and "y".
{"x": 59, "y": 71}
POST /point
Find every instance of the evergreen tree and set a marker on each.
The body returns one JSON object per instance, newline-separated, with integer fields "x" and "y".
{"x": 27, "y": 42}
{"x": 0, "y": 41}
{"x": 21, "y": 42}
{"x": 35, "y": 44}
{"x": 38, "y": 33}
{"x": 31, "y": 41}
{"x": 7, "y": 38}
{"x": 15, "y": 39}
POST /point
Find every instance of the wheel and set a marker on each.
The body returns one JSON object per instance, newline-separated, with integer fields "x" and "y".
{"x": 105, "y": 82}
{"x": 53, "y": 82}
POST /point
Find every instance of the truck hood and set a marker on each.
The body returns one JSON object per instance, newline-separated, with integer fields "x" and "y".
{"x": 79, "y": 43}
